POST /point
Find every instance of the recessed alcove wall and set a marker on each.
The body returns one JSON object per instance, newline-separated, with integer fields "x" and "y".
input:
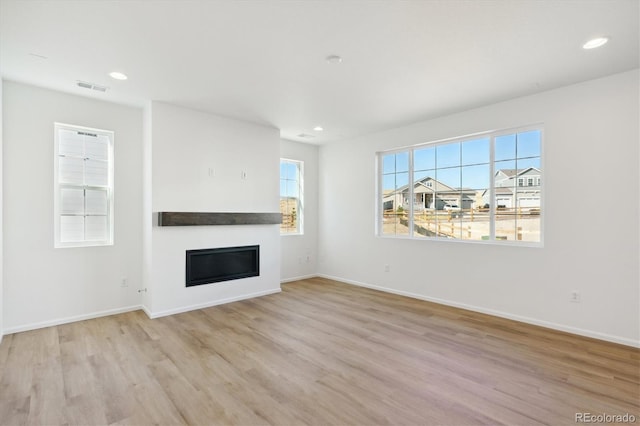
{"x": 200, "y": 163}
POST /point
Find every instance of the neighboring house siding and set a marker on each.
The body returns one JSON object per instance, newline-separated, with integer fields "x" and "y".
{"x": 510, "y": 194}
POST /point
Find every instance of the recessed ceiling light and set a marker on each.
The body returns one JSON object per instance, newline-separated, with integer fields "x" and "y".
{"x": 318, "y": 128}
{"x": 118, "y": 75}
{"x": 333, "y": 59}
{"x": 596, "y": 42}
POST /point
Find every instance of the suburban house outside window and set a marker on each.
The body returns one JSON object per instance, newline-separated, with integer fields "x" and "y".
{"x": 480, "y": 188}
{"x": 83, "y": 186}
{"x": 291, "y": 196}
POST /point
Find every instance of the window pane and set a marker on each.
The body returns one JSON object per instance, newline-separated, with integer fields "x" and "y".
{"x": 448, "y": 155}
{"x": 388, "y": 183}
{"x": 291, "y": 171}
{"x": 96, "y": 148}
{"x": 293, "y": 190}
{"x": 71, "y": 229}
{"x": 71, "y": 201}
{"x": 70, "y": 143}
{"x": 424, "y": 159}
{"x": 505, "y": 147}
{"x": 449, "y": 177}
{"x": 96, "y": 228}
{"x": 395, "y": 222}
{"x": 528, "y": 162}
{"x": 71, "y": 170}
{"x": 96, "y": 173}
{"x": 529, "y": 144}
{"x": 402, "y": 162}
{"x": 505, "y": 224}
{"x": 96, "y": 202}
{"x": 505, "y": 176}
{"x": 388, "y": 163}
{"x": 402, "y": 180}
{"x": 288, "y": 208}
{"x": 475, "y": 152}
{"x": 476, "y": 220}
{"x": 528, "y": 216}
{"x": 475, "y": 176}
{"x": 422, "y": 174}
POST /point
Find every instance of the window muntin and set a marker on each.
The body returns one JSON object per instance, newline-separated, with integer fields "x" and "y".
{"x": 83, "y": 186}
{"x": 485, "y": 188}
{"x": 291, "y": 197}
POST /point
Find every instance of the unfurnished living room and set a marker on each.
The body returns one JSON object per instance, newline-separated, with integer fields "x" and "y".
{"x": 306, "y": 212}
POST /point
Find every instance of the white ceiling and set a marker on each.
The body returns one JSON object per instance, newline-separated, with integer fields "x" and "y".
{"x": 264, "y": 60}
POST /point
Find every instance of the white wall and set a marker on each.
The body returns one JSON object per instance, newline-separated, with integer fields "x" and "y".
{"x": 1, "y": 231}
{"x": 591, "y": 217}
{"x": 43, "y": 285}
{"x": 299, "y": 252}
{"x": 186, "y": 144}
{"x": 147, "y": 209}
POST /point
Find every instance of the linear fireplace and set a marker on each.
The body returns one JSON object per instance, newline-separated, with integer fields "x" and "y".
{"x": 221, "y": 264}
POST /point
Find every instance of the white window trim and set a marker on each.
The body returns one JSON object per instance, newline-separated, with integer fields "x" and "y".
{"x": 57, "y": 186}
{"x": 492, "y": 135}
{"x": 300, "y": 208}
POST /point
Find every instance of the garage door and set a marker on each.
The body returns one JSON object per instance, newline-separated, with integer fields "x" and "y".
{"x": 529, "y": 202}
{"x": 503, "y": 202}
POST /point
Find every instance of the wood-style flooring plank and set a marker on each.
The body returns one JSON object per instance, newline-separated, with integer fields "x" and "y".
{"x": 318, "y": 353}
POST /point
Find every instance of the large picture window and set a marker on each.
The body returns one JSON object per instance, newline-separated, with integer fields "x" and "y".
{"x": 483, "y": 188}
{"x": 83, "y": 186}
{"x": 291, "y": 196}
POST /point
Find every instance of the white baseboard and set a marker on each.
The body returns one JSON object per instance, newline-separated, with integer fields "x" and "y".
{"x": 182, "y": 309}
{"x": 303, "y": 277}
{"x": 66, "y": 320}
{"x": 554, "y": 326}
{"x": 146, "y": 310}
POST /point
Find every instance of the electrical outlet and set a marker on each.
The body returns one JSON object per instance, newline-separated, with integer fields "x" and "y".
{"x": 308, "y": 258}
{"x": 387, "y": 268}
{"x": 243, "y": 174}
{"x": 575, "y": 296}
{"x": 124, "y": 282}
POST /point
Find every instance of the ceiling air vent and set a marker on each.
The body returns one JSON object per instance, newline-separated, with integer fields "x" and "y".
{"x": 305, "y": 136}
{"x": 92, "y": 86}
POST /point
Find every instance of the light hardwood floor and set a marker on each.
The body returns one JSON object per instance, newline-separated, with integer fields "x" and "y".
{"x": 320, "y": 352}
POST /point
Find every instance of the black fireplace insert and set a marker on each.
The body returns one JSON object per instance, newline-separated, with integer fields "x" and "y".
{"x": 221, "y": 264}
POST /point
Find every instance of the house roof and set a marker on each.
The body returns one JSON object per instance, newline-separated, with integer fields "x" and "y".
{"x": 514, "y": 172}
{"x": 500, "y": 190}
{"x": 423, "y": 181}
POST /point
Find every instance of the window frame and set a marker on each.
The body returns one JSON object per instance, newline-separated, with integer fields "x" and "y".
{"x": 492, "y": 135}
{"x": 58, "y": 187}
{"x": 300, "y": 201}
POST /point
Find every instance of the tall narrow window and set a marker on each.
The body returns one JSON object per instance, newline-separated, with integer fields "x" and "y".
{"x": 291, "y": 196}
{"x": 83, "y": 186}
